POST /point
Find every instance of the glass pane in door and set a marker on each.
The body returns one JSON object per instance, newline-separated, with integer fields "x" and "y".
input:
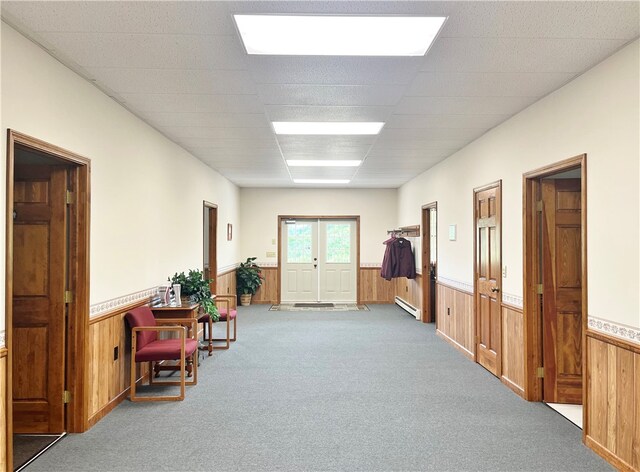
{"x": 299, "y": 242}
{"x": 339, "y": 243}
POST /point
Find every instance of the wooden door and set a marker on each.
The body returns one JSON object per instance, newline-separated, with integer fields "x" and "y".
{"x": 210, "y": 225}
{"x": 337, "y": 261}
{"x": 562, "y": 290}
{"x": 299, "y": 261}
{"x": 488, "y": 277}
{"x": 39, "y": 282}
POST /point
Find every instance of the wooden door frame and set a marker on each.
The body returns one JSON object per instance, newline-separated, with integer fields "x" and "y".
{"x": 213, "y": 243}
{"x": 76, "y": 372}
{"x": 531, "y": 257}
{"x": 281, "y": 218}
{"x": 497, "y": 184}
{"x": 427, "y": 316}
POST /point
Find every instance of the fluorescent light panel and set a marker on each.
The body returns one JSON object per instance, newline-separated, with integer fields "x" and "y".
{"x": 308, "y": 35}
{"x": 321, "y": 181}
{"x": 322, "y": 163}
{"x": 328, "y": 127}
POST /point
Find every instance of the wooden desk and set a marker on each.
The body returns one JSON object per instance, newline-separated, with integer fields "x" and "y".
{"x": 186, "y": 311}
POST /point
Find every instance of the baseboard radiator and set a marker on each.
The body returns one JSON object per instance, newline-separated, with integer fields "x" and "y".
{"x": 413, "y": 311}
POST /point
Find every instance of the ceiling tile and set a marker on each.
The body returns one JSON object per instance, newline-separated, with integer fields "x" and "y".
{"x": 462, "y": 105}
{"x": 181, "y": 132}
{"x": 174, "y": 81}
{"x": 124, "y": 17}
{"x": 486, "y": 84}
{"x": 534, "y": 55}
{"x": 193, "y": 103}
{"x": 327, "y": 113}
{"x": 425, "y": 134}
{"x": 340, "y": 95}
{"x": 214, "y": 120}
{"x": 526, "y": 19}
{"x": 444, "y": 121}
{"x": 330, "y": 70}
{"x": 150, "y": 51}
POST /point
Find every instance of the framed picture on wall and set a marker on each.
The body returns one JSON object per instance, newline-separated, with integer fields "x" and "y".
{"x": 229, "y": 231}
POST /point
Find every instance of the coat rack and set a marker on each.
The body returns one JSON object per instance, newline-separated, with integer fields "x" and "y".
{"x": 407, "y": 231}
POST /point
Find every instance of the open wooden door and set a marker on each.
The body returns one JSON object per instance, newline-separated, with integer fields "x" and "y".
{"x": 488, "y": 263}
{"x": 210, "y": 243}
{"x": 39, "y": 284}
{"x": 562, "y": 290}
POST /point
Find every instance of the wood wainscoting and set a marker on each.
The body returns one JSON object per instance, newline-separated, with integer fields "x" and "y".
{"x": 454, "y": 318}
{"x": 226, "y": 283}
{"x": 373, "y": 288}
{"x": 4, "y": 427}
{"x": 513, "y": 348}
{"x": 612, "y": 426}
{"x": 108, "y": 376}
{"x": 268, "y": 292}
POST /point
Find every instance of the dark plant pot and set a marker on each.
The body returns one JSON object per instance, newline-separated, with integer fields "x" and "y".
{"x": 245, "y": 299}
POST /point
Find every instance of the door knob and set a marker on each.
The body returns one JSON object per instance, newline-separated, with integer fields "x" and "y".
{"x": 495, "y": 289}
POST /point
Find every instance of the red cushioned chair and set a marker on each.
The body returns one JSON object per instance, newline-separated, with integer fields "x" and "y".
{"x": 227, "y": 307}
{"x": 147, "y": 347}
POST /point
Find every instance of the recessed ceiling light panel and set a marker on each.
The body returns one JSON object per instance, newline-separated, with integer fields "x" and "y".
{"x": 308, "y": 35}
{"x": 322, "y": 163}
{"x": 321, "y": 181}
{"x": 327, "y": 127}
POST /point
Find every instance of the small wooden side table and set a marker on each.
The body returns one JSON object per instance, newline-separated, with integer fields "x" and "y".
{"x": 186, "y": 311}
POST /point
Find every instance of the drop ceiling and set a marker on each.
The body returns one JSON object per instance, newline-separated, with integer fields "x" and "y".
{"x": 182, "y": 68}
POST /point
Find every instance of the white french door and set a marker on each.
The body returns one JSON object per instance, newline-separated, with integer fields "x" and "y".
{"x": 319, "y": 260}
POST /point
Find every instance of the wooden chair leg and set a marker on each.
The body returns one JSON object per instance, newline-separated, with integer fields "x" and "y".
{"x": 227, "y": 340}
{"x": 210, "y": 345}
{"x": 235, "y": 329}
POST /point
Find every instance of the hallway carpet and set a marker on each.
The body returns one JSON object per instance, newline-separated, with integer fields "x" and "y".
{"x": 350, "y": 391}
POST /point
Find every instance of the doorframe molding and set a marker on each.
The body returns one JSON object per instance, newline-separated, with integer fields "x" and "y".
{"x": 531, "y": 306}
{"x": 317, "y": 217}
{"x": 427, "y": 316}
{"x": 213, "y": 244}
{"x": 496, "y": 184}
{"x": 76, "y": 335}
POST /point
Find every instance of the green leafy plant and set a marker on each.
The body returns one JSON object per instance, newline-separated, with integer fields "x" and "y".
{"x": 194, "y": 285}
{"x": 248, "y": 277}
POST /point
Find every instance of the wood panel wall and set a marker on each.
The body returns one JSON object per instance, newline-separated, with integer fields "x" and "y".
{"x": 612, "y": 428}
{"x": 226, "y": 283}
{"x": 268, "y": 291}
{"x": 373, "y": 288}
{"x": 454, "y": 318}
{"x": 410, "y": 290}
{"x": 513, "y": 348}
{"x": 3, "y": 409}
{"x": 109, "y": 377}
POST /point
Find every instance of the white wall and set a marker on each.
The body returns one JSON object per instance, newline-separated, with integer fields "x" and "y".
{"x": 260, "y": 207}
{"x": 146, "y": 192}
{"x": 596, "y": 114}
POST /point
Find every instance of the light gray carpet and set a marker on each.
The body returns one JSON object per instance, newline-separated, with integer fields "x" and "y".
{"x": 352, "y": 391}
{"x": 310, "y": 307}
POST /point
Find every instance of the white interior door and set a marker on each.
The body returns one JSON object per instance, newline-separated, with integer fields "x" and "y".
{"x": 319, "y": 261}
{"x": 299, "y": 261}
{"x": 337, "y": 261}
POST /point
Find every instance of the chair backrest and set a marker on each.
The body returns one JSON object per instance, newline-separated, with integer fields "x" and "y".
{"x": 142, "y": 316}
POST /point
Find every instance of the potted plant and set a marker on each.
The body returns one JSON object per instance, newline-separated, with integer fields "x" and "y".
{"x": 196, "y": 288}
{"x": 248, "y": 280}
